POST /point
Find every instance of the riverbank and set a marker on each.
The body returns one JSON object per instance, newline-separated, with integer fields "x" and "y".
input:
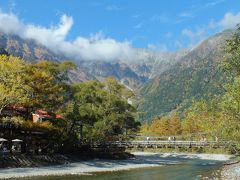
{"x": 231, "y": 171}
{"x": 193, "y": 150}
{"x": 84, "y": 167}
{"x": 16, "y": 161}
{"x": 23, "y": 160}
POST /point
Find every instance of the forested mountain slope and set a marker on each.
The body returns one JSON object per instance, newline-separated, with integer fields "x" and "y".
{"x": 167, "y": 81}
{"x": 197, "y": 75}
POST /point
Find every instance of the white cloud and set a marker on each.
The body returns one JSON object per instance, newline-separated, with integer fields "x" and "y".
{"x": 157, "y": 47}
{"x": 195, "y": 36}
{"x": 9, "y": 23}
{"x": 152, "y": 46}
{"x": 95, "y": 47}
{"x": 178, "y": 44}
{"x": 162, "y": 48}
{"x": 230, "y": 20}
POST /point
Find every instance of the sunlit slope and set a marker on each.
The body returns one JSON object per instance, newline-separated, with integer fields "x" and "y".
{"x": 197, "y": 75}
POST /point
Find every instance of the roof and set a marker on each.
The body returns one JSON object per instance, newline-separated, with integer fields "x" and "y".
{"x": 45, "y": 114}
{"x": 16, "y": 107}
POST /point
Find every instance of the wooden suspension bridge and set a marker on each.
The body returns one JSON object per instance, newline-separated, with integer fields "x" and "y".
{"x": 167, "y": 144}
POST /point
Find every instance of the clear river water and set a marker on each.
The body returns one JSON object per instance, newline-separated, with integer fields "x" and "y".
{"x": 187, "y": 169}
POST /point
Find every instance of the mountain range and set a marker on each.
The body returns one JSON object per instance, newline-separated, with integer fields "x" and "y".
{"x": 163, "y": 81}
{"x": 195, "y": 76}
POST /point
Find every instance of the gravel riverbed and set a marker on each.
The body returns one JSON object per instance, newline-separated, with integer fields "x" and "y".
{"x": 231, "y": 171}
{"x": 141, "y": 160}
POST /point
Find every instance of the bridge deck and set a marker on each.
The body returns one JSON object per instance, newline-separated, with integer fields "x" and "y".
{"x": 162, "y": 144}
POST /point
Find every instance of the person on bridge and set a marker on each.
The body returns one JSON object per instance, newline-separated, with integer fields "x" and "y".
{"x": 204, "y": 139}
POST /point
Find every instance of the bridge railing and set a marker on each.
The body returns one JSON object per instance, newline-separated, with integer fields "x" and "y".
{"x": 166, "y": 143}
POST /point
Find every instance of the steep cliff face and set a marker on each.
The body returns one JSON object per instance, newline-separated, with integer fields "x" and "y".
{"x": 27, "y": 49}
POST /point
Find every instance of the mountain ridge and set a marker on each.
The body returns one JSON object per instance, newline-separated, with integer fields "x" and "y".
{"x": 163, "y": 81}
{"x": 196, "y": 76}
{"x": 133, "y": 74}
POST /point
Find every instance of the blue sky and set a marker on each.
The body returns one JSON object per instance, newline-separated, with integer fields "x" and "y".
{"x": 154, "y": 24}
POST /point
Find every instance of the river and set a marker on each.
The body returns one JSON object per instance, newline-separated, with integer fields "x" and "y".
{"x": 153, "y": 166}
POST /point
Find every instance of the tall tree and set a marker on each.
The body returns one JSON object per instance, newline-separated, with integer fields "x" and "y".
{"x": 102, "y": 109}
{"x": 13, "y": 90}
{"x": 175, "y": 124}
{"x": 232, "y": 54}
{"x": 47, "y": 82}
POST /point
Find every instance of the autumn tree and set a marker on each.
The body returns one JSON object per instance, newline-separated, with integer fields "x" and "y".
{"x": 47, "y": 84}
{"x": 175, "y": 127}
{"x": 13, "y": 90}
{"x": 191, "y": 123}
{"x": 145, "y": 130}
{"x": 160, "y": 126}
{"x": 220, "y": 116}
{"x": 231, "y": 100}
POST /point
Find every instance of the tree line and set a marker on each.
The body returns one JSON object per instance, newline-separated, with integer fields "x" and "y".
{"x": 216, "y": 117}
{"x": 93, "y": 111}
